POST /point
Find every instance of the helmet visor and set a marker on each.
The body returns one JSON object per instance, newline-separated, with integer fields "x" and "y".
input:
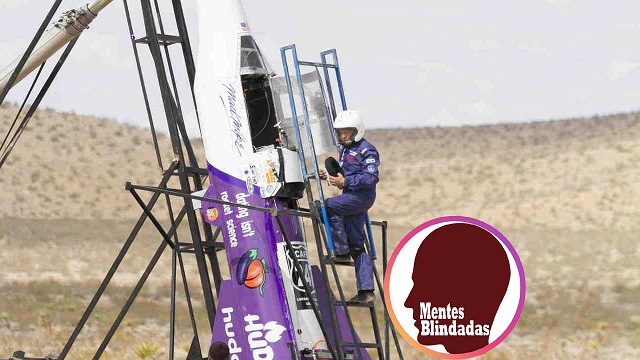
{"x": 346, "y": 136}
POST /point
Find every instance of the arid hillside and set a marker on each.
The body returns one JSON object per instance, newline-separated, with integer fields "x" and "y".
{"x": 573, "y": 174}
{"x": 69, "y": 166}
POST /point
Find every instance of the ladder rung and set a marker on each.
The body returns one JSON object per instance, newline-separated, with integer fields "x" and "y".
{"x": 317, "y": 64}
{"x": 192, "y": 171}
{"x": 351, "y": 263}
{"x": 188, "y": 247}
{"x": 354, "y": 304}
{"x": 363, "y": 345}
{"x": 162, "y": 39}
{"x": 217, "y": 246}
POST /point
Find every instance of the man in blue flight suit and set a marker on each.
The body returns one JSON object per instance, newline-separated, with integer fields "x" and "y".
{"x": 359, "y": 161}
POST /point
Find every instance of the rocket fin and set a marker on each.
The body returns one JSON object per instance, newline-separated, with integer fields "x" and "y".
{"x": 246, "y": 330}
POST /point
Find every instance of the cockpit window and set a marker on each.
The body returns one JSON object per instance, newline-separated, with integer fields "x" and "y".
{"x": 251, "y": 61}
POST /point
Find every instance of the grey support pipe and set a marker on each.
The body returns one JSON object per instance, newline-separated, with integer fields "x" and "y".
{"x": 69, "y": 26}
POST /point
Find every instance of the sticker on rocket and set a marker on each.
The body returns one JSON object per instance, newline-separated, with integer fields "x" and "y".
{"x": 212, "y": 213}
{"x": 456, "y": 287}
{"x": 250, "y": 270}
{"x": 300, "y": 251}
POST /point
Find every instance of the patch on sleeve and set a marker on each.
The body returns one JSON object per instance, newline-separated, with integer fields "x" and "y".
{"x": 371, "y": 168}
{"x": 371, "y": 161}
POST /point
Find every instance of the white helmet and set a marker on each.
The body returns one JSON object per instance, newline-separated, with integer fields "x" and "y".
{"x": 350, "y": 119}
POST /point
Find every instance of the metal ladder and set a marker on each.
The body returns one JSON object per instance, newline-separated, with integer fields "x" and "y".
{"x": 319, "y": 213}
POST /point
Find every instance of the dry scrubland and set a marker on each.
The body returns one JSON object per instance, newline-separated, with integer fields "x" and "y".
{"x": 563, "y": 192}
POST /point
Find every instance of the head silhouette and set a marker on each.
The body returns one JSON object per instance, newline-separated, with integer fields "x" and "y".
{"x": 219, "y": 351}
{"x": 464, "y": 267}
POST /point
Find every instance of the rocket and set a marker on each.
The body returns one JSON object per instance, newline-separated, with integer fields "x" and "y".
{"x": 263, "y": 311}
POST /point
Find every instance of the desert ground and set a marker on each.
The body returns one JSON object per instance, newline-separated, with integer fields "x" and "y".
{"x": 564, "y": 192}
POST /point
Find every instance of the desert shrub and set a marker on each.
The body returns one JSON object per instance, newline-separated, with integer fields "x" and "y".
{"x": 146, "y": 350}
{"x": 135, "y": 140}
{"x": 35, "y": 176}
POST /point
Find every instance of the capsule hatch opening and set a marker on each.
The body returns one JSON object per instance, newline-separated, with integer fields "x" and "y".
{"x": 260, "y": 110}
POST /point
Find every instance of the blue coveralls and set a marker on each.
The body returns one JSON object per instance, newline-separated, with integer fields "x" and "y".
{"x": 347, "y": 212}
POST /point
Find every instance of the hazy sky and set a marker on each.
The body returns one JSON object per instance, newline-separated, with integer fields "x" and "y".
{"x": 404, "y": 63}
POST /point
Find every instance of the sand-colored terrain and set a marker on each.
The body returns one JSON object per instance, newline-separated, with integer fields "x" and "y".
{"x": 564, "y": 192}
{"x": 575, "y": 174}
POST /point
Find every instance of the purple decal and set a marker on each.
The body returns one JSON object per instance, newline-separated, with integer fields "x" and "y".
{"x": 246, "y": 331}
{"x": 258, "y": 319}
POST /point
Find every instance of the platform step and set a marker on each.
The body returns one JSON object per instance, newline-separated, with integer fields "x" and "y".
{"x": 329, "y": 258}
{"x": 363, "y": 345}
{"x": 162, "y": 39}
{"x": 354, "y": 304}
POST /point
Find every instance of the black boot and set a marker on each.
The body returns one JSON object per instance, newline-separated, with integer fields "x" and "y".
{"x": 342, "y": 259}
{"x": 364, "y": 297}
